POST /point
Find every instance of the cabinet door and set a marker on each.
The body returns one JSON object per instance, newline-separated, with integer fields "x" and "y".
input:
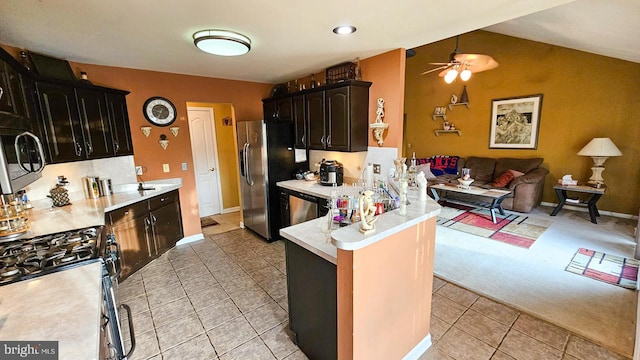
{"x": 92, "y": 106}
{"x": 167, "y": 227}
{"x": 338, "y": 106}
{"x": 60, "y": 122}
{"x": 285, "y": 109}
{"x": 314, "y": 108}
{"x": 134, "y": 244}
{"x": 270, "y": 109}
{"x": 120, "y": 130}
{"x": 299, "y": 122}
{"x": 6, "y": 103}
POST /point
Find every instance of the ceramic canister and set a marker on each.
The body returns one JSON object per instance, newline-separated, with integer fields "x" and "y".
{"x": 91, "y": 187}
{"x": 104, "y": 186}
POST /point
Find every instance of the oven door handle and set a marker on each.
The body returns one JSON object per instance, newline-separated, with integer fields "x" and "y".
{"x": 131, "y": 333}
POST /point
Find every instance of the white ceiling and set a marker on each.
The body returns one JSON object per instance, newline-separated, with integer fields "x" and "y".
{"x": 293, "y": 38}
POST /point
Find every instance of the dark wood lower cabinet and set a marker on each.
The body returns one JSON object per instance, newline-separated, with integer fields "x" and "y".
{"x": 313, "y": 301}
{"x": 145, "y": 230}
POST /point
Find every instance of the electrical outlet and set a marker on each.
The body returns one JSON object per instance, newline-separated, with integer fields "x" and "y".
{"x": 165, "y": 168}
{"x": 138, "y": 170}
{"x": 376, "y": 168}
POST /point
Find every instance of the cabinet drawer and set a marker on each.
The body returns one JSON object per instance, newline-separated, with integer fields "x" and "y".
{"x": 127, "y": 213}
{"x": 164, "y": 199}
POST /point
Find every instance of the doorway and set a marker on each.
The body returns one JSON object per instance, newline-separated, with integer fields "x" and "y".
{"x": 204, "y": 149}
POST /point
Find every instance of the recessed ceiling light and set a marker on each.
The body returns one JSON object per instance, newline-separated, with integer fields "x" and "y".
{"x": 222, "y": 42}
{"x": 344, "y": 30}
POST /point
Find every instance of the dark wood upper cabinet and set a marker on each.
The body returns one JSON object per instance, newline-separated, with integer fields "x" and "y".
{"x": 12, "y": 95}
{"x": 120, "y": 130}
{"x": 314, "y": 108}
{"x": 60, "y": 122}
{"x": 299, "y": 121}
{"x": 278, "y": 110}
{"x": 92, "y": 107}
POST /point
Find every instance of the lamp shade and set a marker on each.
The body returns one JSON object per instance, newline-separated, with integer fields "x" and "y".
{"x": 600, "y": 147}
{"x": 222, "y": 42}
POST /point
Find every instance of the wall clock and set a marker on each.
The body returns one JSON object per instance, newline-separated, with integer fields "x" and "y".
{"x": 159, "y": 111}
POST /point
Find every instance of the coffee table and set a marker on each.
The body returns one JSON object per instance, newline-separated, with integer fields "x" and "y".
{"x": 475, "y": 196}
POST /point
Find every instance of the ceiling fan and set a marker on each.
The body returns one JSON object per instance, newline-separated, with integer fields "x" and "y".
{"x": 463, "y": 65}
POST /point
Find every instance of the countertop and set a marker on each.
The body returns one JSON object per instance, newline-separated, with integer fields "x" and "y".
{"x": 315, "y": 236}
{"x": 46, "y": 219}
{"x": 64, "y": 306}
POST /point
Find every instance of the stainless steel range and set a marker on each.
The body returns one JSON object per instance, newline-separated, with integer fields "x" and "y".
{"x": 22, "y": 259}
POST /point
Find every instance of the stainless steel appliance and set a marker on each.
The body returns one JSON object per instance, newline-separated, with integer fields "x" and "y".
{"x": 266, "y": 156}
{"x": 331, "y": 172}
{"x": 302, "y": 207}
{"x": 22, "y": 259}
{"x": 21, "y": 155}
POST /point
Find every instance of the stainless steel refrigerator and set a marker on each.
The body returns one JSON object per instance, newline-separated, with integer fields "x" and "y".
{"x": 266, "y": 155}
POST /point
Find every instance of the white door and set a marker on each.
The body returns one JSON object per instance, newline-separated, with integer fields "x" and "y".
{"x": 205, "y": 160}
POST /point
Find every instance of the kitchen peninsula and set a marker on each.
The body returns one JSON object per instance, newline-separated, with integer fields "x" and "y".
{"x": 355, "y": 296}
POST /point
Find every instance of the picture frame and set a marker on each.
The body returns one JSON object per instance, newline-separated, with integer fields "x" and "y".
{"x": 515, "y": 122}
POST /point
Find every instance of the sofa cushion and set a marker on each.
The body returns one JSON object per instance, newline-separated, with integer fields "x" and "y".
{"x": 426, "y": 169}
{"x": 481, "y": 168}
{"x": 441, "y": 164}
{"x": 522, "y": 165}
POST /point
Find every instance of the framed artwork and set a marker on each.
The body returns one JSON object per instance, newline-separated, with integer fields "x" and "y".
{"x": 515, "y": 122}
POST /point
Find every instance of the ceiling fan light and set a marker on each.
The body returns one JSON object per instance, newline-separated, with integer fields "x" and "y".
{"x": 465, "y": 75}
{"x": 222, "y": 42}
{"x": 450, "y": 76}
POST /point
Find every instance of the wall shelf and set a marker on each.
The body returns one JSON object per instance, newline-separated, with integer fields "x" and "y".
{"x": 438, "y": 132}
{"x": 436, "y": 116}
{"x": 458, "y": 104}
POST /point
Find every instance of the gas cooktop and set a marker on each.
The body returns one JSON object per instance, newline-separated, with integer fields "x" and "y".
{"x": 26, "y": 258}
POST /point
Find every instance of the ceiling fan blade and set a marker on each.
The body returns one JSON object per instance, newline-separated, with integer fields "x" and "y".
{"x": 436, "y": 69}
{"x": 477, "y": 62}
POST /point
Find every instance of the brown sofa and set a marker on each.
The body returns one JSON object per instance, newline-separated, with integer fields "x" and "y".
{"x": 526, "y": 189}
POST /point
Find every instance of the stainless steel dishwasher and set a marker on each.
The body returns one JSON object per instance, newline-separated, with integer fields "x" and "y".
{"x": 302, "y": 207}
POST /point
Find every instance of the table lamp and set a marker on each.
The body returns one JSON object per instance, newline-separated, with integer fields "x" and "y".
{"x": 600, "y": 149}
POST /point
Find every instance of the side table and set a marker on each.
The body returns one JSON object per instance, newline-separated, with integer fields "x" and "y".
{"x": 561, "y": 193}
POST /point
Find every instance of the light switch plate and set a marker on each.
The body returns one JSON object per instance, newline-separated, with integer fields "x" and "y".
{"x": 165, "y": 168}
{"x": 184, "y": 166}
{"x": 138, "y": 170}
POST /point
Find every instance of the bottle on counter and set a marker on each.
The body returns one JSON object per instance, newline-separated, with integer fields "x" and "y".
{"x": 412, "y": 170}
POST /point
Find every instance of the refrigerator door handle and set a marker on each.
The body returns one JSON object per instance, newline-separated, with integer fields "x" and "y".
{"x": 248, "y": 165}
{"x": 244, "y": 163}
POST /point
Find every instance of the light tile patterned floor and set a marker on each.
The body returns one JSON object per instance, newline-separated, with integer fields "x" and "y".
{"x": 225, "y": 298}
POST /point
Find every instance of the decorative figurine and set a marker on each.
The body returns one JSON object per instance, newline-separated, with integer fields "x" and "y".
{"x": 367, "y": 213}
{"x": 404, "y": 185}
{"x": 421, "y": 180}
{"x": 378, "y": 126}
{"x": 398, "y": 163}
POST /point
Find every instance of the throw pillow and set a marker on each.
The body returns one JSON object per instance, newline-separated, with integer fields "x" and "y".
{"x": 503, "y": 180}
{"x": 516, "y": 173}
{"x": 426, "y": 169}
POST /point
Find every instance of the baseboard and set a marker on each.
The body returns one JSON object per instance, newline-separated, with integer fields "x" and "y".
{"x": 230, "y": 210}
{"x": 190, "y": 239}
{"x": 419, "y": 349}
{"x": 585, "y": 210}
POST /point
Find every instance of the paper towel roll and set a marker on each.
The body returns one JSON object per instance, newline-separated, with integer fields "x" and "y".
{"x": 368, "y": 175}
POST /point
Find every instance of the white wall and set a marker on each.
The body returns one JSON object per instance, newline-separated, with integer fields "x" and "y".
{"x": 355, "y": 162}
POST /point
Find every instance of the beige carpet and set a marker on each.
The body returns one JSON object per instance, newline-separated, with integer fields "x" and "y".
{"x": 535, "y": 281}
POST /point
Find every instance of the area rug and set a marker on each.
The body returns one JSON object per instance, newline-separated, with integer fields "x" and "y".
{"x": 207, "y": 221}
{"x": 513, "y": 229}
{"x": 611, "y": 269}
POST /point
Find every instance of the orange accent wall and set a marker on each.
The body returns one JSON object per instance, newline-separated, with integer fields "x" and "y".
{"x": 386, "y": 72}
{"x": 384, "y": 307}
{"x": 584, "y": 96}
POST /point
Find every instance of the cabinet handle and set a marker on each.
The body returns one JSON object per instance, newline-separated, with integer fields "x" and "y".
{"x": 117, "y": 146}
{"x": 154, "y": 219}
{"x": 78, "y": 149}
{"x": 329, "y": 140}
{"x": 89, "y": 149}
{"x": 322, "y": 140}
{"x": 303, "y": 140}
{"x": 1, "y": 92}
{"x": 147, "y": 222}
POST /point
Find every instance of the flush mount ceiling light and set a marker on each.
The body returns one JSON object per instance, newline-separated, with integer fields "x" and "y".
{"x": 222, "y": 42}
{"x": 344, "y": 30}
